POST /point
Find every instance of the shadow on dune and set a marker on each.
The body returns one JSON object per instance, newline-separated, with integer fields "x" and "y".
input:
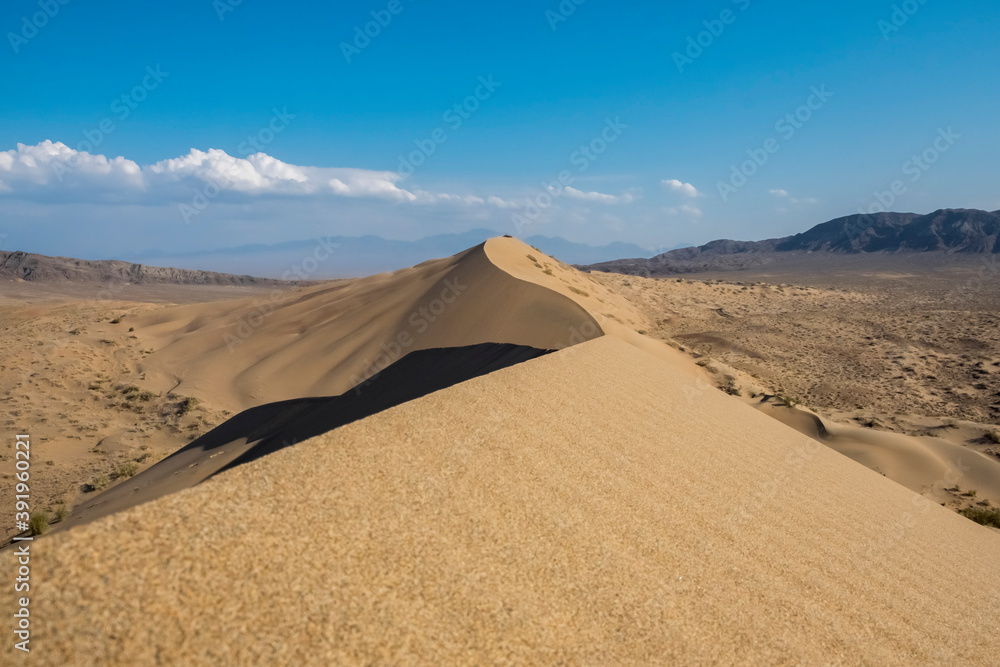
{"x": 268, "y": 428}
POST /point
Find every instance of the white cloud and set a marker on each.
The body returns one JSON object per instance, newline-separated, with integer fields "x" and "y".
{"x": 783, "y": 194}
{"x": 54, "y": 164}
{"x": 54, "y": 168}
{"x": 599, "y": 197}
{"x": 499, "y": 202}
{"x": 683, "y": 188}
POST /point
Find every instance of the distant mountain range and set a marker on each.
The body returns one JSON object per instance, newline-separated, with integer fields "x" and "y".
{"x": 352, "y": 256}
{"x": 944, "y": 231}
{"x": 31, "y": 267}
{"x": 297, "y": 261}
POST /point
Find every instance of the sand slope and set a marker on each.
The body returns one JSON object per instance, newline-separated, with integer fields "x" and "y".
{"x": 265, "y": 429}
{"x": 927, "y": 465}
{"x": 544, "y": 513}
{"x": 323, "y": 340}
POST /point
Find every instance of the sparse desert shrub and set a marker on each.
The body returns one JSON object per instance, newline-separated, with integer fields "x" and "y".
{"x": 187, "y": 405}
{"x": 641, "y": 332}
{"x": 787, "y": 401}
{"x": 126, "y": 470}
{"x": 117, "y": 320}
{"x": 61, "y": 513}
{"x": 141, "y": 396}
{"x": 100, "y": 483}
{"x": 548, "y": 272}
{"x": 987, "y": 517}
{"x": 577, "y": 290}
{"x": 971, "y": 493}
{"x": 532, "y": 258}
{"x": 993, "y": 436}
{"x": 703, "y": 362}
{"x": 731, "y": 388}
{"x": 131, "y": 329}
{"x": 38, "y": 523}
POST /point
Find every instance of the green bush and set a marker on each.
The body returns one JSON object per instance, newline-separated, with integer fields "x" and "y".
{"x": 126, "y": 470}
{"x": 100, "y": 482}
{"x": 987, "y": 517}
{"x": 39, "y": 523}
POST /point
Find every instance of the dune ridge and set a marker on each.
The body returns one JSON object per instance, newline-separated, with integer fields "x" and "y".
{"x": 669, "y": 525}
{"x": 321, "y": 341}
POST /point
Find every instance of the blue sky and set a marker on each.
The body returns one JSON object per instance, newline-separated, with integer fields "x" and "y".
{"x": 169, "y": 166}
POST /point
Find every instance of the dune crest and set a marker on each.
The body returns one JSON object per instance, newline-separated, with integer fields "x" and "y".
{"x": 323, "y": 340}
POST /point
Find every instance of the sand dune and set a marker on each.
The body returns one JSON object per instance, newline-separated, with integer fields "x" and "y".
{"x": 267, "y": 428}
{"x": 502, "y": 291}
{"x": 928, "y": 465}
{"x": 471, "y": 526}
{"x": 483, "y": 501}
{"x": 323, "y": 340}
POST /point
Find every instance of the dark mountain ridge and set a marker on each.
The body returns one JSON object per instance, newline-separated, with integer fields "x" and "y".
{"x": 967, "y": 231}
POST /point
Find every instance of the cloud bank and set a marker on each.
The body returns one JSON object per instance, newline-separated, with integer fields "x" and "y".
{"x": 53, "y": 166}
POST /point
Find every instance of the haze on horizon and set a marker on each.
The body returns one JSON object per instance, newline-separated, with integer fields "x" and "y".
{"x": 218, "y": 124}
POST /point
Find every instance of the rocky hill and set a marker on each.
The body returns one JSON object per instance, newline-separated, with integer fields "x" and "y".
{"x": 965, "y": 231}
{"x": 41, "y": 268}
